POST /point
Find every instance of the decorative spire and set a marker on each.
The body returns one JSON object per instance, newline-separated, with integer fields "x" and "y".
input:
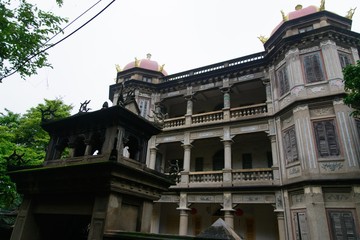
{"x": 137, "y": 62}
{"x": 148, "y": 56}
{"x": 322, "y": 5}
{"x": 350, "y": 13}
{"x": 263, "y": 39}
{"x": 118, "y": 68}
{"x": 284, "y": 17}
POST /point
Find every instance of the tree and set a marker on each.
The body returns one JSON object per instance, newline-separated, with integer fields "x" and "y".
{"x": 352, "y": 87}
{"x": 23, "y": 134}
{"x": 24, "y": 34}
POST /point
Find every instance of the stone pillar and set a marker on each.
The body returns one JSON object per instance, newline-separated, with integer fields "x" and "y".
{"x": 228, "y": 209}
{"x": 25, "y": 225}
{"x": 147, "y": 210}
{"x": 98, "y": 218}
{"x": 356, "y": 191}
{"x": 155, "y": 218}
{"x": 227, "y": 141}
{"x": 269, "y": 106}
{"x": 316, "y": 213}
{"x": 306, "y": 145}
{"x": 331, "y": 59}
{"x": 184, "y": 214}
{"x": 112, "y": 221}
{"x": 88, "y": 147}
{"x": 355, "y": 54}
{"x": 153, "y": 152}
{"x": 347, "y": 133}
{"x": 189, "y": 106}
{"x": 227, "y": 104}
{"x": 71, "y": 146}
{"x": 274, "y": 153}
{"x": 227, "y": 153}
{"x": 186, "y": 165}
{"x": 281, "y": 224}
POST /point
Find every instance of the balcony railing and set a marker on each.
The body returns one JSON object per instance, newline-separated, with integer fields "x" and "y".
{"x": 252, "y": 111}
{"x": 248, "y": 111}
{"x": 258, "y": 174}
{"x": 206, "y": 177}
{"x": 255, "y": 175}
{"x": 207, "y": 117}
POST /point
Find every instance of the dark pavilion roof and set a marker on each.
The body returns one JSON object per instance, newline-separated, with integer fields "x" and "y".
{"x": 112, "y": 116}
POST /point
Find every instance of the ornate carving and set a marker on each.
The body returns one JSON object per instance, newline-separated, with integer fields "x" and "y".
{"x": 47, "y": 114}
{"x": 332, "y": 166}
{"x": 337, "y": 197}
{"x": 83, "y": 106}
{"x": 15, "y": 160}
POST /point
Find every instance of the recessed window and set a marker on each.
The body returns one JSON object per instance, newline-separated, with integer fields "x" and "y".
{"x": 313, "y": 67}
{"x": 342, "y": 224}
{"x": 345, "y": 59}
{"x": 326, "y": 138}
{"x": 283, "y": 80}
{"x": 290, "y": 145}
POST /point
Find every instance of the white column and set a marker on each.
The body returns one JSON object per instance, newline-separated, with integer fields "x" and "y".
{"x": 228, "y": 209}
{"x": 227, "y": 153}
{"x": 153, "y": 152}
{"x": 184, "y": 214}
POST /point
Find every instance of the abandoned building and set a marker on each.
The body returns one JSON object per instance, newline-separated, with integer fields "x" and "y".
{"x": 264, "y": 142}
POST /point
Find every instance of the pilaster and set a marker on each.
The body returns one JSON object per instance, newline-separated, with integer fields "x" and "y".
{"x": 331, "y": 59}
{"x": 316, "y": 213}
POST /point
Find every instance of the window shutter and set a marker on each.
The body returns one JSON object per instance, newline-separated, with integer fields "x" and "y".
{"x": 283, "y": 80}
{"x": 300, "y": 223}
{"x": 326, "y": 139}
{"x": 320, "y": 135}
{"x": 294, "y": 154}
{"x": 331, "y": 138}
{"x": 342, "y": 225}
{"x": 290, "y": 146}
{"x": 313, "y": 68}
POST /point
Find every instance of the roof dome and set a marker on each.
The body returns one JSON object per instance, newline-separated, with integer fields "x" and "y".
{"x": 298, "y": 13}
{"x": 146, "y": 63}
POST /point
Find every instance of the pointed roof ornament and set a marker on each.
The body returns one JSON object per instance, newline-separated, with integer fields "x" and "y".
{"x": 322, "y": 5}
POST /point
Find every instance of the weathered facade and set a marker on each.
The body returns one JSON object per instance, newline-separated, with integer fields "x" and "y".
{"x": 263, "y": 141}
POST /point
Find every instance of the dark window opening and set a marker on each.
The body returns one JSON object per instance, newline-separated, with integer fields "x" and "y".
{"x": 247, "y": 161}
{"x": 218, "y": 160}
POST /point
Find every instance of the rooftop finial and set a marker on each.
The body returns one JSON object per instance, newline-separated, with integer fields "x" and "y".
{"x": 148, "y": 56}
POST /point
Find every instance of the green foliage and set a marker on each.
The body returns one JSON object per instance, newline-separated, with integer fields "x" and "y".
{"x": 24, "y": 31}
{"x": 23, "y": 134}
{"x": 352, "y": 87}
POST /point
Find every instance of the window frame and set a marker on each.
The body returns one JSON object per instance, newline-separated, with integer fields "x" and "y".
{"x": 282, "y": 78}
{"x": 332, "y": 231}
{"x": 294, "y": 156}
{"x": 311, "y": 73}
{"x": 316, "y": 135}
{"x": 347, "y": 56}
{"x": 300, "y": 230}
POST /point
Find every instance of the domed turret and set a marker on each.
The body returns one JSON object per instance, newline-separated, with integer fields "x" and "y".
{"x": 146, "y": 63}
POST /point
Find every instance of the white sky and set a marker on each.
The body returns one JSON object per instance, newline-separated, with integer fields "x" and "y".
{"x": 182, "y": 34}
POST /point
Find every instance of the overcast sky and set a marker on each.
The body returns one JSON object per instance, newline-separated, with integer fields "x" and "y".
{"x": 182, "y": 34}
